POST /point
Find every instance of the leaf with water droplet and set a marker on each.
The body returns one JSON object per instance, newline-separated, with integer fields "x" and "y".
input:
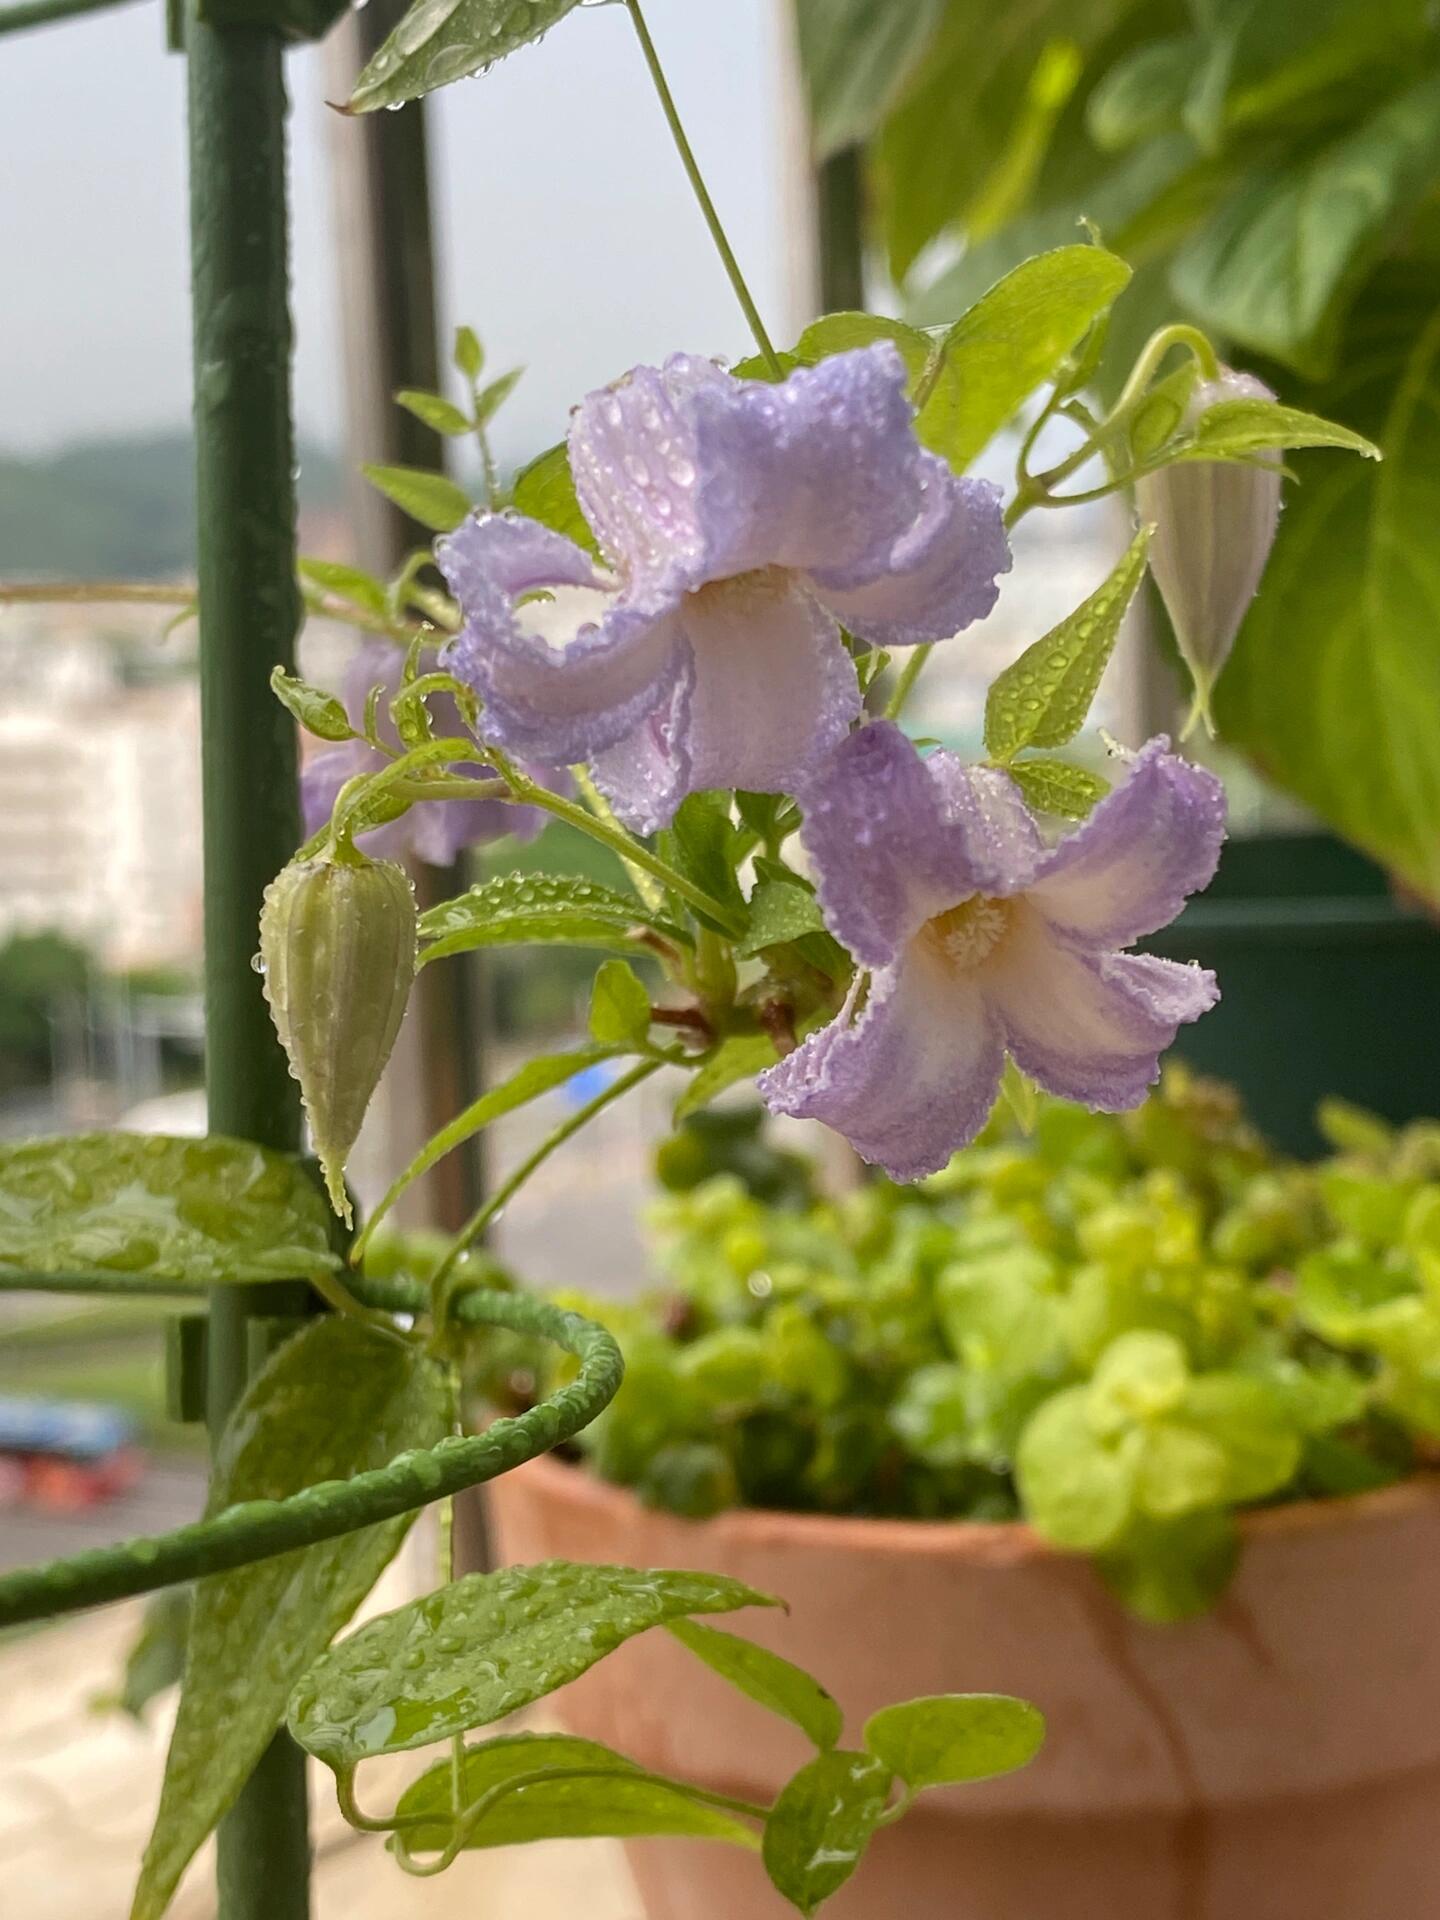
{"x": 440, "y": 41}
{"x": 1042, "y": 699}
{"x": 524, "y": 1631}
{"x": 555, "y": 908}
{"x": 949, "y": 1738}
{"x": 822, "y": 1823}
{"x": 1058, "y": 787}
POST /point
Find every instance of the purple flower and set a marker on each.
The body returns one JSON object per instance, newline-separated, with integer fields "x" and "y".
{"x": 745, "y": 524}
{"x": 983, "y": 941}
{"x": 434, "y": 830}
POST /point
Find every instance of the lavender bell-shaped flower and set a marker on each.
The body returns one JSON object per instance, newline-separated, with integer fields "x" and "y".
{"x": 1214, "y": 527}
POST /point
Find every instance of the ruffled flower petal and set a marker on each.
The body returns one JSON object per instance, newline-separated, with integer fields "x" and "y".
{"x": 647, "y": 774}
{"x": 877, "y": 835}
{"x": 774, "y": 685}
{"x": 1129, "y": 869}
{"x": 942, "y": 573}
{"x": 910, "y": 1080}
{"x": 985, "y": 813}
{"x": 1088, "y": 1026}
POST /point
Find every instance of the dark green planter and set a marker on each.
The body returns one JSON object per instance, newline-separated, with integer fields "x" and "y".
{"x": 1329, "y": 987}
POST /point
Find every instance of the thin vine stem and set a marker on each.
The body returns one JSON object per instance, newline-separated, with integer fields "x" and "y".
{"x": 44, "y": 13}
{"x": 701, "y": 191}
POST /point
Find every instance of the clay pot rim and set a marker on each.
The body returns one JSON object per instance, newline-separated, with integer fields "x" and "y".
{"x": 1009, "y": 1542}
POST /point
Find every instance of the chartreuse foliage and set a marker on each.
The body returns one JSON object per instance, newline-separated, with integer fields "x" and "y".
{"x": 1125, "y": 1330}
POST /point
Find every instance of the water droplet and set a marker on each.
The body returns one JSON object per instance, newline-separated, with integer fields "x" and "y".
{"x": 257, "y": 963}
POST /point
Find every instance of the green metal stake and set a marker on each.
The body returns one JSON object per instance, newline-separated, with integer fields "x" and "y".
{"x": 249, "y": 614}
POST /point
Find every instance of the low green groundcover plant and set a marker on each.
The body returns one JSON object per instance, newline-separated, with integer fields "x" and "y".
{"x": 1123, "y": 1328}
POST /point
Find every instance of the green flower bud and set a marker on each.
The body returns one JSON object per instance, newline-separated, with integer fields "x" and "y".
{"x": 1214, "y": 527}
{"x": 337, "y": 951}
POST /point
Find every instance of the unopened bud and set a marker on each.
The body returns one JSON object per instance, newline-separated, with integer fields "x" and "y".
{"x": 337, "y": 950}
{"x": 1214, "y": 528}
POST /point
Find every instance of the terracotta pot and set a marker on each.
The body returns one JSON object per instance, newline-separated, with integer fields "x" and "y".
{"x": 1276, "y": 1760}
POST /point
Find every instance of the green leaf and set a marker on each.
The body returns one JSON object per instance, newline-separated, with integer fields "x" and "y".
{"x": 345, "y": 583}
{"x": 437, "y": 503}
{"x": 1173, "y": 1570}
{"x": 612, "y": 1798}
{"x": 440, "y": 41}
{"x": 1077, "y": 1489}
{"x": 434, "y": 410}
{"x": 1235, "y": 428}
{"x": 619, "y": 1007}
{"x": 489, "y": 400}
{"x": 1246, "y": 1418}
{"x": 468, "y": 354}
{"x": 483, "y": 1647}
{"x": 545, "y": 491}
{"x": 1142, "y": 94}
{"x": 954, "y": 1737}
{"x": 739, "y": 1057}
{"x": 766, "y": 1678}
{"x": 144, "y": 1210}
{"x": 1273, "y": 267}
{"x": 1016, "y": 337}
{"x": 856, "y": 57}
{"x": 558, "y": 909}
{"x": 156, "y": 1660}
{"x": 780, "y": 910}
{"x": 1042, "y": 698}
{"x": 318, "y": 712}
{"x": 338, "y": 1399}
{"x": 844, "y": 332}
{"x": 527, "y": 1083}
{"x": 821, "y": 1824}
{"x": 1058, "y": 787}
{"x": 703, "y": 842}
{"x": 1334, "y": 685}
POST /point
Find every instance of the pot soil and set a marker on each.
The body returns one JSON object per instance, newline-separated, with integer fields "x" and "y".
{"x": 1278, "y": 1759}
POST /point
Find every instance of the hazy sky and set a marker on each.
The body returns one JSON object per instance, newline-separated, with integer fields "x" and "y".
{"x": 567, "y": 232}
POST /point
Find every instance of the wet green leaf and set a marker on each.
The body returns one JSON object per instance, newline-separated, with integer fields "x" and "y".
{"x": 773, "y": 1682}
{"x": 438, "y": 413}
{"x": 338, "y": 1399}
{"x": 144, "y": 1210}
{"x": 521, "y": 907}
{"x": 843, "y": 332}
{"x": 619, "y": 1007}
{"x": 821, "y": 1825}
{"x": 780, "y": 910}
{"x": 437, "y": 503}
{"x": 545, "y": 491}
{"x": 1058, "y": 787}
{"x": 318, "y": 712}
{"x": 440, "y": 41}
{"x": 484, "y": 1647}
{"x": 611, "y": 1799}
{"x": 1042, "y": 699}
{"x": 740, "y": 1057}
{"x": 950, "y": 1738}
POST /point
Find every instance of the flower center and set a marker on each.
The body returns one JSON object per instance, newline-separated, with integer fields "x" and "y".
{"x": 967, "y": 934}
{"x": 743, "y": 596}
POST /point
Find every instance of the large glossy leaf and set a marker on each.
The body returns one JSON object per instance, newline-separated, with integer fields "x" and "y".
{"x": 611, "y": 1798}
{"x": 484, "y": 1647}
{"x": 440, "y": 41}
{"x": 1334, "y": 686}
{"x": 1013, "y": 340}
{"x": 821, "y": 1825}
{"x": 559, "y": 909}
{"x": 1274, "y": 265}
{"x": 146, "y": 1210}
{"x": 338, "y": 1399}
{"x": 1041, "y": 699}
{"x": 768, "y": 1679}
{"x": 950, "y": 1738}
{"x": 856, "y": 56}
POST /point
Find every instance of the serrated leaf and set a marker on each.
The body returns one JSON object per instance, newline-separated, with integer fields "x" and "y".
{"x": 483, "y": 1647}
{"x": 821, "y": 1824}
{"x": 434, "y": 410}
{"x": 1058, "y": 787}
{"x": 856, "y": 57}
{"x": 619, "y": 1007}
{"x": 441, "y": 41}
{"x": 345, "y": 583}
{"x": 557, "y": 909}
{"x": 766, "y": 1678}
{"x": 468, "y": 354}
{"x": 615, "y": 1802}
{"x": 489, "y": 400}
{"x": 338, "y": 1399}
{"x": 1011, "y": 341}
{"x": 527, "y": 1083}
{"x": 432, "y": 499}
{"x": 1234, "y": 428}
{"x": 318, "y": 712}
{"x": 1042, "y": 699}
{"x": 545, "y": 491}
{"x": 950, "y": 1738}
{"x": 144, "y": 1210}
{"x": 780, "y": 910}
{"x": 740, "y": 1057}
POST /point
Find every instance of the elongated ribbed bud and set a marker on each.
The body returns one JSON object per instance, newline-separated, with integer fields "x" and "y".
{"x": 337, "y": 949}
{"x": 1214, "y": 528}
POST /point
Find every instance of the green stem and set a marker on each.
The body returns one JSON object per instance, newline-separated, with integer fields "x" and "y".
{"x": 93, "y": 593}
{"x": 914, "y": 667}
{"x": 701, "y": 192}
{"x": 644, "y": 884}
{"x": 482, "y": 1217}
{"x": 43, "y": 13}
